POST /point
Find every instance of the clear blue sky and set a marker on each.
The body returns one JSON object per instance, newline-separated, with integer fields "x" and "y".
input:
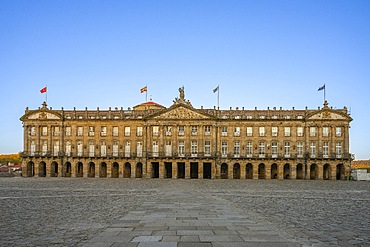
{"x": 261, "y": 53}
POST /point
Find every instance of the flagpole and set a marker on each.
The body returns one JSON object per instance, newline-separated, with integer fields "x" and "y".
{"x": 324, "y": 92}
{"x": 146, "y": 93}
{"x": 46, "y": 95}
{"x": 218, "y": 97}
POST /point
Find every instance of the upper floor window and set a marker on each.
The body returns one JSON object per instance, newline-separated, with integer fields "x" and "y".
{"x": 33, "y": 148}
{"x": 207, "y": 130}
{"x": 56, "y": 130}
{"x": 181, "y": 130}
{"x": 261, "y": 149}
{"x": 33, "y": 131}
{"x": 115, "y": 131}
{"x": 287, "y": 149}
{"x": 224, "y": 149}
{"x": 249, "y": 131}
{"x": 127, "y": 131}
{"x": 236, "y": 149}
{"x": 249, "y": 148}
{"x": 325, "y": 131}
{"x": 168, "y": 130}
{"x": 68, "y": 130}
{"x": 79, "y": 130}
{"x": 262, "y": 131}
{"x": 299, "y": 131}
{"x": 224, "y": 131}
{"x": 91, "y": 131}
{"x": 237, "y": 131}
{"x": 274, "y": 149}
{"x": 155, "y": 130}
{"x": 274, "y": 131}
{"x": 44, "y": 131}
{"x": 312, "y": 131}
{"x": 300, "y": 149}
{"x": 207, "y": 148}
{"x": 286, "y": 131}
{"x": 103, "y": 131}
{"x": 194, "y": 148}
{"x": 139, "y": 131}
{"x": 338, "y": 131}
{"x": 194, "y": 130}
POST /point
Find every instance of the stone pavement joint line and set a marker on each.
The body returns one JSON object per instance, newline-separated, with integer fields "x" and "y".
{"x": 197, "y": 221}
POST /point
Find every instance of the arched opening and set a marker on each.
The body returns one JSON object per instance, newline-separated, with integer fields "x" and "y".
{"x": 313, "y": 171}
{"x": 224, "y": 171}
{"x": 127, "y": 170}
{"x": 115, "y": 170}
{"x": 274, "y": 171}
{"x": 103, "y": 170}
{"x": 67, "y": 169}
{"x": 286, "y": 171}
{"x": 249, "y": 171}
{"x": 299, "y": 171}
{"x": 139, "y": 170}
{"x": 91, "y": 173}
{"x": 80, "y": 170}
{"x": 54, "y": 169}
{"x": 261, "y": 171}
{"x": 326, "y": 172}
{"x": 30, "y": 169}
{"x": 340, "y": 172}
{"x": 42, "y": 169}
{"x": 236, "y": 171}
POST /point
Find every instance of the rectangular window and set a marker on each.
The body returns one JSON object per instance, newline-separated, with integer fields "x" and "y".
{"x": 236, "y": 149}
{"x": 103, "y": 131}
{"x": 249, "y": 131}
{"x": 237, "y": 131}
{"x": 33, "y": 148}
{"x": 91, "y": 131}
{"x": 115, "y": 131}
{"x": 168, "y": 130}
{"x": 139, "y": 131}
{"x": 56, "y": 130}
{"x": 181, "y": 148}
{"x": 262, "y": 131}
{"x": 249, "y": 149}
{"x": 194, "y": 130}
{"x": 56, "y": 148}
{"x": 68, "y": 130}
{"x": 299, "y": 131}
{"x": 68, "y": 148}
{"x": 103, "y": 149}
{"x": 79, "y": 148}
{"x": 91, "y": 149}
{"x": 127, "y": 149}
{"x": 286, "y": 131}
{"x": 33, "y": 131}
{"x": 127, "y": 131}
{"x": 312, "y": 131}
{"x": 274, "y": 131}
{"x": 261, "y": 150}
{"x": 300, "y": 149}
{"x": 325, "y": 131}
{"x": 115, "y": 149}
{"x": 224, "y": 131}
{"x": 44, "y": 147}
{"x": 44, "y": 131}
{"x": 79, "y": 131}
{"x": 155, "y": 149}
{"x": 325, "y": 150}
{"x": 181, "y": 130}
{"x": 194, "y": 148}
{"x": 139, "y": 149}
{"x": 168, "y": 148}
{"x": 312, "y": 149}
{"x": 224, "y": 149}
{"x": 274, "y": 149}
{"x": 286, "y": 149}
{"x": 338, "y": 131}
{"x": 207, "y": 148}
{"x": 338, "y": 150}
{"x": 155, "y": 130}
{"x": 207, "y": 130}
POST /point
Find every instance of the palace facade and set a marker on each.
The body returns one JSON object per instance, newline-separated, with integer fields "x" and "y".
{"x": 152, "y": 141}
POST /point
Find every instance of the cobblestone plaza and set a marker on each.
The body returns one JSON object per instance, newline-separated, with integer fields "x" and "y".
{"x": 166, "y": 212}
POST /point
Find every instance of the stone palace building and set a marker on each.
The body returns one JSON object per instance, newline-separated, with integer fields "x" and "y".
{"x": 152, "y": 141}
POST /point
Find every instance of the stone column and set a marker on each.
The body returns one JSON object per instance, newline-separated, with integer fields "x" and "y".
{"x": 230, "y": 173}
{"x": 200, "y": 170}
{"x": 293, "y": 170}
{"x": 133, "y": 170}
{"x": 268, "y": 171}
{"x": 242, "y": 171}
{"x": 85, "y": 169}
{"x": 73, "y": 169}
{"x": 174, "y": 170}
{"x": 187, "y": 170}
{"x": 320, "y": 171}
{"x": 161, "y": 167}
{"x": 97, "y": 170}
{"x": 255, "y": 171}
{"x": 148, "y": 170}
{"x": 280, "y": 171}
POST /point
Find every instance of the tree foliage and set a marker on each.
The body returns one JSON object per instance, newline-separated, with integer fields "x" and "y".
{"x": 12, "y": 158}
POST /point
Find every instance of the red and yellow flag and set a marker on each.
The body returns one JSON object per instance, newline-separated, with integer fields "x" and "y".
{"x": 144, "y": 89}
{"x": 43, "y": 90}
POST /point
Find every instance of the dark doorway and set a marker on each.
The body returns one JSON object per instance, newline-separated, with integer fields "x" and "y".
{"x": 155, "y": 169}
{"x": 249, "y": 171}
{"x": 299, "y": 171}
{"x": 115, "y": 170}
{"x": 167, "y": 170}
{"x": 127, "y": 170}
{"x": 54, "y": 169}
{"x": 193, "y": 169}
{"x": 181, "y": 170}
{"x": 80, "y": 170}
{"x": 103, "y": 170}
{"x": 207, "y": 170}
{"x": 236, "y": 171}
{"x": 139, "y": 170}
{"x": 42, "y": 169}
{"x": 224, "y": 171}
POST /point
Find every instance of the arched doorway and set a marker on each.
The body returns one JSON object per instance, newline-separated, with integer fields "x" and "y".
{"x": 42, "y": 169}
{"x": 340, "y": 174}
{"x": 236, "y": 171}
{"x": 54, "y": 169}
{"x": 30, "y": 169}
{"x": 286, "y": 171}
{"x": 67, "y": 169}
{"x": 127, "y": 170}
{"x": 261, "y": 171}
{"x": 103, "y": 170}
{"x": 313, "y": 171}
{"x": 299, "y": 171}
{"x": 91, "y": 173}
{"x": 115, "y": 170}
{"x": 249, "y": 171}
{"x": 326, "y": 172}
{"x": 80, "y": 170}
{"x": 274, "y": 171}
{"x": 224, "y": 171}
{"x": 139, "y": 170}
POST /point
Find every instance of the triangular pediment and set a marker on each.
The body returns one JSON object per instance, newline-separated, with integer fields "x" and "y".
{"x": 41, "y": 115}
{"x": 181, "y": 112}
{"x": 328, "y": 115}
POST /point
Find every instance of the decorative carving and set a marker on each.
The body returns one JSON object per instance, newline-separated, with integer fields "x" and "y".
{"x": 181, "y": 113}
